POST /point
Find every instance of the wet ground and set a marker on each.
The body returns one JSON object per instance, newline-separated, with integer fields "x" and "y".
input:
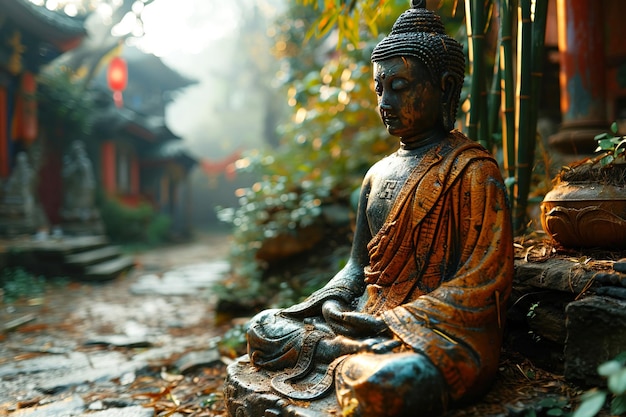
{"x": 141, "y": 345}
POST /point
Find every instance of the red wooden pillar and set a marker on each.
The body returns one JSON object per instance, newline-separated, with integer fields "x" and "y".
{"x": 108, "y": 167}
{"x": 4, "y": 145}
{"x": 134, "y": 175}
{"x": 582, "y": 75}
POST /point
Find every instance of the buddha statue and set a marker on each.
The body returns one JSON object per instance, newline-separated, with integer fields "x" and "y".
{"x": 413, "y": 324}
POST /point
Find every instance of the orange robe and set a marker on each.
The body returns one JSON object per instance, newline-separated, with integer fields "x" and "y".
{"x": 441, "y": 267}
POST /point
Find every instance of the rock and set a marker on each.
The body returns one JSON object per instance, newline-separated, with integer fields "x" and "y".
{"x": 193, "y": 360}
{"x": 554, "y": 274}
{"x": 285, "y": 245}
{"x": 69, "y": 407}
{"x": 15, "y": 323}
{"x": 596, "y": 333}
{"x": 119, "y": 341}
{"x": 134, "y": 411}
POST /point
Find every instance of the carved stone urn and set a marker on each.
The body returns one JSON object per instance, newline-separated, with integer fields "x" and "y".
{"x": 586, "y": 214}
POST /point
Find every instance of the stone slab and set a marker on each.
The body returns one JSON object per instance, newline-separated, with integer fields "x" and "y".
{"x": 553, "y": 274}
{"x": 596, "y": 333}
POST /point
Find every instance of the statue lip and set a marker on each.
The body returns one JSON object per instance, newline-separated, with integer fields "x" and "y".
{"x": 387, "y": 117}
{"x": 389, "y": 120}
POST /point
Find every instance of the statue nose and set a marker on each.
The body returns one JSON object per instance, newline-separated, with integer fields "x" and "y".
{"x": 384, "y": 105}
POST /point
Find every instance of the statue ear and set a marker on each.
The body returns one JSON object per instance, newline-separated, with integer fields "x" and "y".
{"x": 448, "y": 91}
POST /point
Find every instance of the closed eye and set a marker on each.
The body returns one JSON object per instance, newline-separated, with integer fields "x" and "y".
{"x": 399, "y": 84}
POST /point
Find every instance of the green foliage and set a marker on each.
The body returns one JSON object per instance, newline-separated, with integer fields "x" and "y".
{"x": 233, "y": 343}
{"x": 140, "y": 224}
{"x": 334, "y": 136}
{"x": 17, "y": 283}
{"x": 65, "y": 108}
{"x": 555, "y": 406}
{"x": 271, "y": 207}
{"x": 594, "y": 400}
{"x": 613, "y": 146}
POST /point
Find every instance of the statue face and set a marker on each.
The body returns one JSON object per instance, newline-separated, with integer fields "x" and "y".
{"x": 409, "y": 101}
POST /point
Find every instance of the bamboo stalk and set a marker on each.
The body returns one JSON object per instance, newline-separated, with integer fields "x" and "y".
{"x": 538, "y": 47}
{"x": 495, "y": 93}
{"x": 508, "y": 92}
{"x": 524, "y": 136}
{"x": 475, "y": 22}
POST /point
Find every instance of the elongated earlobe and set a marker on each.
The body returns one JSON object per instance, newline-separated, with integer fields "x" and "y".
{"x": 448, "y": 106}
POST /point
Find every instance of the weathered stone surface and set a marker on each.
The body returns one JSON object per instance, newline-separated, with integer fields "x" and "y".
{"x": 548, "y": 321}
{"x": 69, "y": 407}
{"x": 596, "y": 333}
{"x": 186, "y": 280}
{"x": 194, "y": 360}
{"x": 554, "y": 274}
{"x": 134, "y": 411}
{"x": 52, "y": 374}
{"x": 119, "y": 340}
{"x": 248, "y": 393}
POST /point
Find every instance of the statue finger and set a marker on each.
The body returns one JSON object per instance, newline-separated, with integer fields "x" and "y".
{"x": 360, "y": 319}
{"x": 612, "y": 291}
{"x": 606, "y": 278}
{"x": 385, "y": 346}
{"x": 620, "y": 266}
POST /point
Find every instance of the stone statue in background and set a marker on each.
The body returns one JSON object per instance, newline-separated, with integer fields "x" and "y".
{"x": 412, "y": 325}
{"x": 79, "y": 212}
{"x": 20, "y": 187}
{"x": 20, "y": 212}
{"x": 79, "y": 185}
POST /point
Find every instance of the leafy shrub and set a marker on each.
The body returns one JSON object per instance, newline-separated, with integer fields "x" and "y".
{"x": 140, "y": 224}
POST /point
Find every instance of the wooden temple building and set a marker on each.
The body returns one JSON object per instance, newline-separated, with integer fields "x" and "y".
{"x": 135, "y": 157}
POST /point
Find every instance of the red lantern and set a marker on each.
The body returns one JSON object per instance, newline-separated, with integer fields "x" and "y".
{"x": 117, "y": 77}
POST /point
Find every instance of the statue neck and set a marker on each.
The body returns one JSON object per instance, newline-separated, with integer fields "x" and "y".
{"x": 423, "y": 139}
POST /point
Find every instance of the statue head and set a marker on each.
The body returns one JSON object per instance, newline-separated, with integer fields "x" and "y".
{"x": 418, "y": 34}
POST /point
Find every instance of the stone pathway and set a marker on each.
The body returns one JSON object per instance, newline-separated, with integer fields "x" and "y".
{"x": 120, "y": 348}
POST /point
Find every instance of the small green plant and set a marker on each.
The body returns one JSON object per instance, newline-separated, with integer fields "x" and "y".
{"x": 612, "y": 145}
{"x": 233, "y": 343}
{"x": 17, "y": 283}
{"x": 593, "y": 400}
{"x": 551, "y": 406}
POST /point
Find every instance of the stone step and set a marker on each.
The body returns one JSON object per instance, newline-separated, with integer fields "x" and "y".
{"x": 110, "y": 269}
{"x": 63, "y": 247}
{"x": 90, "y": 257}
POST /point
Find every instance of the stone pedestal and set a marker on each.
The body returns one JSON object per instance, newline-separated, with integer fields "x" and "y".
{"x": 18, "y": 217}
{"x": 248, "y": 393}
{"x": 84, "y": 222}
{"x": 596, "y": 333}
